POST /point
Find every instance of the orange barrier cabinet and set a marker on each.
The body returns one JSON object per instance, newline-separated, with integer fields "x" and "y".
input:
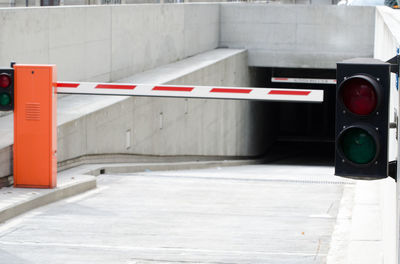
{"x": 35, "y": 126}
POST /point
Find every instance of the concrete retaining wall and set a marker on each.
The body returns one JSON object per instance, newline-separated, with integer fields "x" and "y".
{"x": 107, "y": 43}
{"x": 311, "y": 36}
{"x": 22, "y": 3}
{"x": 102, "y": 125}
{"x": 173, "y": 127}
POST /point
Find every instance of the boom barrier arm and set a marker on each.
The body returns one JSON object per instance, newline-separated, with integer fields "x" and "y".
{"x": 212, "y": 92}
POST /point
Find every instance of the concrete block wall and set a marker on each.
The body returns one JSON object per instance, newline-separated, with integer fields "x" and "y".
{"x": 106, "y": 43}
{"x": 312, "y": 36}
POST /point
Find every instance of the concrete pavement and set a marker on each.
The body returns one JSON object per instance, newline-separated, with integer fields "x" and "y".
{"x": 246, "y": 214}
{"x": 281, "y": 213}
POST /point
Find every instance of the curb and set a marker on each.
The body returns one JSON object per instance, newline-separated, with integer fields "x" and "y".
{"x": 24, "y": 201}
{"x": 80, "y": 179}
{"x": 132, "y": 168}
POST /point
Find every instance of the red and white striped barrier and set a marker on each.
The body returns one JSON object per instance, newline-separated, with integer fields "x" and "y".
{"x": 302, "y": 80}
{"x": 244, "y": 93}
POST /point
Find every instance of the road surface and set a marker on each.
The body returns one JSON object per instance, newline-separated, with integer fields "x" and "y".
{"x": 248, "y": 214}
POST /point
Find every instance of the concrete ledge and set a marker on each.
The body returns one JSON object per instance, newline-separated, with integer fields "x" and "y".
{"x": 131, "y": 168}
{"x": 103, "y": 168}
{"x": 16, "y": 201}
{"x": 140, "y": 159}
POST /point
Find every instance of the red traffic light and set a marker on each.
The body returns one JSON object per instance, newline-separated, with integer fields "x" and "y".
{"x": 5, "y": 80}
{"x": 359, "y": 95}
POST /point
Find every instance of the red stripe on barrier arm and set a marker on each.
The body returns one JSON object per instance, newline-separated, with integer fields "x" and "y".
{"x": 227, "y": 90}
{"x": 68, "y": 85}
{"x": 280, "y": 79}
{"x": 115, "y": 86}
{"x": 283, "y": 92}
{"x": 173, "y": 89}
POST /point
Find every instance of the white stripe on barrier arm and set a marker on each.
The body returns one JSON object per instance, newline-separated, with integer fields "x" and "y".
{"x": 302, "y": 80}
{"x": 242, "y": 93}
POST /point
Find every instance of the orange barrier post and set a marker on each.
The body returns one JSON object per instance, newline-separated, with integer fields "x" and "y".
{"x": 35, "y": 126}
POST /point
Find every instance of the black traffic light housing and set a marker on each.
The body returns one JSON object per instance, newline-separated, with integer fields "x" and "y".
{"x": 6, "y": 89}
{"x": 362, "y": 119}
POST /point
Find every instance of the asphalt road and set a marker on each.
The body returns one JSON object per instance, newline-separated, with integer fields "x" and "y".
{"x": 248, "y": 214}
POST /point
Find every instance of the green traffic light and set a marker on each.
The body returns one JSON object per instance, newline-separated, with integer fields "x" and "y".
{"x": 358, "y": 146}
{"x": 5, "y": 99}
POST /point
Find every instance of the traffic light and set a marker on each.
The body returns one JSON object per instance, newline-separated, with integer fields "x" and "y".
{"x": 6, "y": 89}
{"x": 362, "y": 119}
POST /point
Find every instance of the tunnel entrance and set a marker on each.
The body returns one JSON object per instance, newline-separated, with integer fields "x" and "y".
{"x": 301, "y": 129}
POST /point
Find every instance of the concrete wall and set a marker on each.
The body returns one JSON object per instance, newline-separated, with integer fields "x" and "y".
{"x": 173, "y": 127}
{"x": 22, "y": 3}
{"x": 387, "y": 41}
{"x": 310, "y": 36}
{"x": 101, "y": 125}
{"x": 386, "y": 45}
{"x": 106, "y": 43}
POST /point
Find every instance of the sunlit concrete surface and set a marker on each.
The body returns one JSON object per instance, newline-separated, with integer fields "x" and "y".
{"x": 247, "y": 214}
